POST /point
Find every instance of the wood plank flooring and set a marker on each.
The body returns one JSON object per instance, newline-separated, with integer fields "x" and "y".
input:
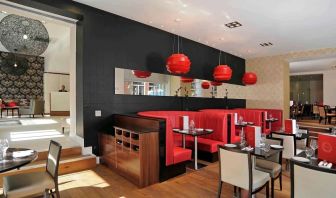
{"x": 102, "y": 182}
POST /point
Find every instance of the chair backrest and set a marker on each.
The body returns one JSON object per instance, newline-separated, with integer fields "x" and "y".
{"x": 322, "y": 112}
{"x": 235, "y": 167}
{"x": 315, "y": 109}
{"x": 38, "y": 106}
{"x": 302, "y": 176}
{"x": 275, "y": 141}
{"x": 289, "y": 144}
{"x": 53, "y": 158}
{"x": 290, "y": 125}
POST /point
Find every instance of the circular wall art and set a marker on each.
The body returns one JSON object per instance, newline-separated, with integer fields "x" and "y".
{"x": 23, "y": 35}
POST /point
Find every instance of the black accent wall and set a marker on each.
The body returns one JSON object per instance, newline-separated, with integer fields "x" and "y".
{"x": 106, "y": 41}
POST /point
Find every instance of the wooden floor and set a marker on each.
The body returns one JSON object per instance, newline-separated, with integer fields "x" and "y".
{"x": 102, "y": 182}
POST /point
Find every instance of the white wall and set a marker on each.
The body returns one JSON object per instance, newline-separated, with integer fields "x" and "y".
{"x": 53, "y": 82}
{"x": 329, "y": 85}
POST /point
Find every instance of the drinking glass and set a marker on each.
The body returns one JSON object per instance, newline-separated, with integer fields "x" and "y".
{"x": 309, "y": 152}
{"x": 267, "y": 147}
{"x": 333, "y": 131}
{"x": 262, "y": 140}
{"x": 240, "y": 121}
{"x": 313, "y": 146}
{"x": 3, "y": 148}
{"x": 192, "y": 125}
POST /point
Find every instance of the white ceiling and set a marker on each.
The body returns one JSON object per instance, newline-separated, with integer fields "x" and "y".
{"x": 292, "y": 25}
{"x": 316, "y": 65}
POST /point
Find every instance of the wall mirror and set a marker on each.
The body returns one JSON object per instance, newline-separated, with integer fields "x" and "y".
{"x": 135, "y": 82}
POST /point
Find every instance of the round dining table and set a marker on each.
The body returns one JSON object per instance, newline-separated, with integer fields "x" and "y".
{"x": 16, "y": 158}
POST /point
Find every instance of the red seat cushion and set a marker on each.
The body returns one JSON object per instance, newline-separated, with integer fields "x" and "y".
{"x": 204, "y": 144}
{"x": 181, "y": 154}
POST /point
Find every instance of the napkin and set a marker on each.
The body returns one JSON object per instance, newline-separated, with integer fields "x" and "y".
{"x": 22, "y": 153}
{"x": 247, "y": 148}
{"x": 325, "y": 164}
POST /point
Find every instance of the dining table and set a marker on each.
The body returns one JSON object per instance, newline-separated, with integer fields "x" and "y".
{"x": 270, "y": 121}
{"x": 194, "y": 133}
{"x": 313, "y": 162}
{"x": 256, "y": 151}
{"x": 15, "y": 158}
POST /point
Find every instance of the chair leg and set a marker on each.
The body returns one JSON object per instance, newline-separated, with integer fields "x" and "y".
{"x": 46, "y": 193}
{"x": 272, "y": 187}
{"x": 280, "y": 180}
{"x": 267, "y": 190}
{"x": 219, "y": 188}
{"x": 57, "y": 192}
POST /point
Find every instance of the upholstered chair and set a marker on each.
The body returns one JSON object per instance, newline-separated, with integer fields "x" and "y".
{"x": 310, "y": 181}
{"x": 236, "y": 168}
{"x": 28, "y": 184}
{"x": 272, "y": 165}
{"x": 289, "y": 145}
{"x": 36, "y": 107}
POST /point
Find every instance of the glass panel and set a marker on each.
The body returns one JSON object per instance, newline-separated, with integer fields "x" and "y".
{"x": 129, "y": 82}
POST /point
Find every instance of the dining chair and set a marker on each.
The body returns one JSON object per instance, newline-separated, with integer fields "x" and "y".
{"x": 289, "y": 145}
{"x": 272, "y": 165}
{"x": 302, "y": 176}
{"x": 28, "y": 184}
{"x": 236, "y": 168}
{"x": 302, "y": 144}
{"x": 315, "y": 111}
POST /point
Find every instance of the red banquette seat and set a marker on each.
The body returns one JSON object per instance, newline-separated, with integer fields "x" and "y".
{"x": 276, "y": 113}
{"x": 175, "y": 153}
{"x": 249, "y": 115}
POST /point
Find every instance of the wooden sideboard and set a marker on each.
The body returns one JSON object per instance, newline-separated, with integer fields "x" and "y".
{"x": 132, "y": 150}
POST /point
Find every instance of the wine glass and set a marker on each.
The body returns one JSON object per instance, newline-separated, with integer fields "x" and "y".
{"x": 192, "y": 125}
{"x": 309, "y": 152}
{"x": 313, "y": 145}
{"x": 262, "y": 140}
{"x": 3, "y": 148}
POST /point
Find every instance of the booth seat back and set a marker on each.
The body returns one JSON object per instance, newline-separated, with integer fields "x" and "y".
{"x": 173, "y": 121}
{"x": 276, "y": 113}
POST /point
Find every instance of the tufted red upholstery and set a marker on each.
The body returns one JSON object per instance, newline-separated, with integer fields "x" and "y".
{"x": 276, "y": 113}
{"x": 174, "y": 151}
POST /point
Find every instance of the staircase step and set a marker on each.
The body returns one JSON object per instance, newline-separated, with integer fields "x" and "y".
{"x": 66, "y": 152}
{"x": 71, "y": 161}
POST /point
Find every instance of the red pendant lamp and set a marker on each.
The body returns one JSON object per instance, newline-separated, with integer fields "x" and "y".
{"x": 186, "y": 79}
{"x": 141, "y": 74}
{"x": 205, "y": 85}
{"x": 178, "y": 63}
{"x": 215, "y": 83}
{"x": 249, "y": 78}
{"x": 222, "y": 72}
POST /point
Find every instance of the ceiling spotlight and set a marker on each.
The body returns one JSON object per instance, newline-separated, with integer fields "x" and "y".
{"x": 162, "y": 26}
{"x": 25, "y": 36}
{"x": 150, "y": 22}
{"x": 4, "y": 12}
{"x": 177, "y": 20}
{"x": 184, "y": 5}
{"x": 234, "y": 24}
{"x": 43, "y": 21}
{"x": 227, "y": 16}
{"x": 222, "y": 39}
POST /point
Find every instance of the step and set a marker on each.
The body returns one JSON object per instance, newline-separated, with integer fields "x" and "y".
{"x": 66, "y": 152}
{"x": 69, "y": 164}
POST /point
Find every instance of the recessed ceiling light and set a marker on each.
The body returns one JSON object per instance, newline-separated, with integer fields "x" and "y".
{"x": 184, "y": 5}
{"x": 4, "y": 12}
{"x": 234, "y": 24}
{"x": 162, "y": 26}
{"x": 227, "y": 16}
{"x": 266, "y": 44}
{"x": 150, "y": 22}
{"x": 177, "y": 20}
{"x": 222, "y": 39}
{"x": 43, "y": 21}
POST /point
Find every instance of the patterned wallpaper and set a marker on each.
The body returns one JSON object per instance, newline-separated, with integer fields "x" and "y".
{"x": 272, "y": 89}
{"x": 26, "y": 86}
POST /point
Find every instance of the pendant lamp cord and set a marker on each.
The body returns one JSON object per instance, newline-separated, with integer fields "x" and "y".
{"x": 219, "y": 58}
{"x": 178, "y": 44}
{"x": 173, "y": 44}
